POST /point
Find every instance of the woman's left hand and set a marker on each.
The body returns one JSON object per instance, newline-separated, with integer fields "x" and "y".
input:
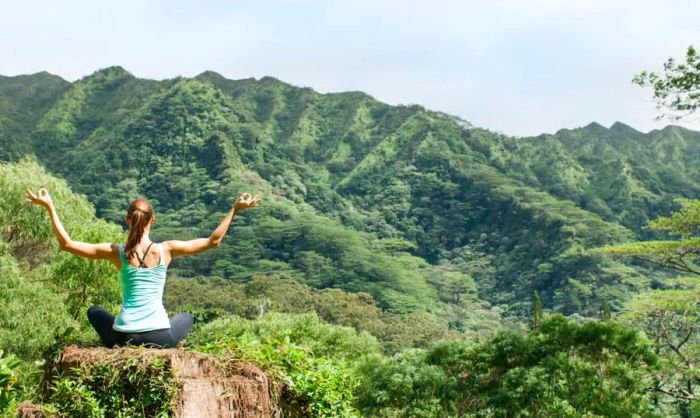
{"x": 42, "y": 198}
{"x": 245, "y": 201}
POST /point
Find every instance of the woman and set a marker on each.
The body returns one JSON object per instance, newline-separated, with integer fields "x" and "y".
{"x": 142, "y": 266}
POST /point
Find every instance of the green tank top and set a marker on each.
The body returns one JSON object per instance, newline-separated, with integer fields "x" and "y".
{"x": 142, "y": 296}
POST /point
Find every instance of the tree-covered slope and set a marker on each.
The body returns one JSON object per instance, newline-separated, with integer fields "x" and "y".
{"x": 618, "y": 173}
{"x": 416, "y": 207}
{"x": 23, "y": 100}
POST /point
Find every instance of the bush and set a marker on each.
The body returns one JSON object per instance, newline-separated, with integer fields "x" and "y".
{"x": 313, "y": 386}
{"x": 106, "y": 390}
{"x": 312, "y": 358}
{"x": 8, "y": 364}
{"x": 563, "y": 369}
{"x": 308, "y": 330}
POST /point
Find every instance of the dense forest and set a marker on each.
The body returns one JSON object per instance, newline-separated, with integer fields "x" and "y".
{"x": 416, "y": 265}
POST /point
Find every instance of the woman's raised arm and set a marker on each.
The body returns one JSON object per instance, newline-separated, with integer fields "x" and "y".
{"x": 183, "y": 248}
{"x": 103, "y": 251}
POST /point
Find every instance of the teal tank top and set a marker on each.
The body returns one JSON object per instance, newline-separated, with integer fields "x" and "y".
{"x": 142, "y": 296}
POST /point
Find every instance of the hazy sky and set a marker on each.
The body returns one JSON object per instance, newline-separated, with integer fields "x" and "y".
{"x": 519, "y": 67}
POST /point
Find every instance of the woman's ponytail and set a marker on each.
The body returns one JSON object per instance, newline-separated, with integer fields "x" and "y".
{"x": 138, "y": 217}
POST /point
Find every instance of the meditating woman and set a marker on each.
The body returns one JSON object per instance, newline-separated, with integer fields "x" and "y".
{"x": 142, "y": 266}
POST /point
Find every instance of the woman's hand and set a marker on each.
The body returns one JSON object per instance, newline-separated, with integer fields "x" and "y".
{"x": 42, "y": 198}
{"x": 245, "y": 201}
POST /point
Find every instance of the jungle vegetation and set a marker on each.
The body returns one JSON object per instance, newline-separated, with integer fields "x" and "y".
{"x": 413, "y": 265}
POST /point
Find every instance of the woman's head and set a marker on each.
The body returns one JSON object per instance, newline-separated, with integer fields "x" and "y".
{"x": 139, "y": 217}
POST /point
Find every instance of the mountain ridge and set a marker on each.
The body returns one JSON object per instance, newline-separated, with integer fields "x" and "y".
{"x": 211, "y": 74}
{"x": 523, "y": 209}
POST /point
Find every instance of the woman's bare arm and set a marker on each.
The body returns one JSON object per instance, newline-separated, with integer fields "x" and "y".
{"x": 104, "y": 251}
{"x": 183, "y": 248}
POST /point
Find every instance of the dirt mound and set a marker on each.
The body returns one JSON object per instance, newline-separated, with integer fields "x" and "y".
{"x": 27, "y": 409}
{"x": 207, "y": 386}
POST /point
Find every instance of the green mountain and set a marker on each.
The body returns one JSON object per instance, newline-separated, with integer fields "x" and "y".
{"x": 415, "y": 207}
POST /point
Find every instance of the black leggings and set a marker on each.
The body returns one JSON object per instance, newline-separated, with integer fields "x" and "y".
{"x": 102, "y": 321}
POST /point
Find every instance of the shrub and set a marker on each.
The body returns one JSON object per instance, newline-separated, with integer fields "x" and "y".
{"x": 8, "y": 364}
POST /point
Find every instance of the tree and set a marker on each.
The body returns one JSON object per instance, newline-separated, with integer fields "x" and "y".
{"x": 680, "y": 254}
{"x": 678, "y": 89}
{"x": 605, "y": 314}
{"x": 671, "y": 317}
{"x": 536, "y": 313}
{"x": 84, "y": 281}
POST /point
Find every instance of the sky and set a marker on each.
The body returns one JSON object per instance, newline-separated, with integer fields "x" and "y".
{"x": 520, "y": 67}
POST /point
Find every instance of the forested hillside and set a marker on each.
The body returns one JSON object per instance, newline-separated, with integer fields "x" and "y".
{"x": 381, "y": 229}
{"x": 417, "y": 208}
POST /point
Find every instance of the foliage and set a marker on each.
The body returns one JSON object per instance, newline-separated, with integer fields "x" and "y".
{"x": 305, "y": 329}
{"x": 562, "y": 369}
{"x": 684, "y": 222}
{"x": 360, "y": 195}
{"x": 671, "y": 319}
{"x": 210, "y": 298}
{"x": 313, "y": 385}
{"x": 407, "y": 225}
{"x": 536, "y": 313}
{"x": 8, "y": 379}
{"x": 34, "y": 269}
{"x": 107, "y": 390}
{"x": 678, "y": 88}
{"x": 670, "y": 315}
{"x": 82, "y": 280}
{"x": 681, "y": 254}
{"x": 406, "y": 385}
{"x": 314, "y": 359}
{"x": 28, "y": 327}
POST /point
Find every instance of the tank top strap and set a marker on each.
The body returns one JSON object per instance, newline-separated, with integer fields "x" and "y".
{"x": 142, "y": 261}
{"x": 122, "y": 257}
{"x": 160, "y": 250}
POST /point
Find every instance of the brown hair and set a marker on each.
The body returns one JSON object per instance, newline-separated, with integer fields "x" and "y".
{"x": 138, "y": 217}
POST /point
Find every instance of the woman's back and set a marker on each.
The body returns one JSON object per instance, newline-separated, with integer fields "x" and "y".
{"x": 142, "y": 295}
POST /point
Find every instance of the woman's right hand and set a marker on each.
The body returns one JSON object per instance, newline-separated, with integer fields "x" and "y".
{"x": 42, "y": 198}
{"x": 245, "y": 201}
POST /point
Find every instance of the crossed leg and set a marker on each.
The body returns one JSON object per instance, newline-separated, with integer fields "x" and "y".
{"x": 102, "y": 322}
